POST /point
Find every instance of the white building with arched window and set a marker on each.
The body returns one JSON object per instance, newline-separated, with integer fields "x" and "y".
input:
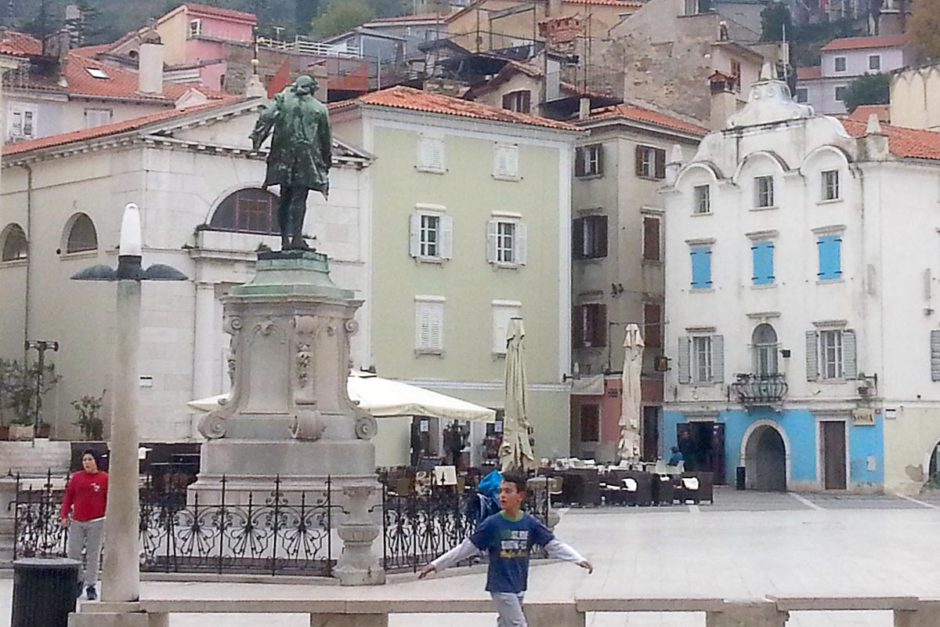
{"x": 802, "y": 265}
{"x": 197, "y": 182}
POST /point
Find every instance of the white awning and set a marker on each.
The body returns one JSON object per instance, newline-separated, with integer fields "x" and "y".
{"x": 386, "y": 398}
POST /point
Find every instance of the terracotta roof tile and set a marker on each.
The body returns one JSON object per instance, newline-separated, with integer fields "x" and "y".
{"x": 648, "y": 116}
{"x": 808, "y": 73}
{"x": 20, "y": 45}
{"x": 862, "y": 43}
{"x": 904, "y": 143}
{"x": 224, "y": 13}
{"x": 862, "y": 112}
{"x": 104, "y": 130}
{"x": 415, "y": 100}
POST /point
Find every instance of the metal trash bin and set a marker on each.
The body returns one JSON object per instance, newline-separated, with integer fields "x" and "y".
{"x": 740, "y": 478}
{"x": 44, "y": 591}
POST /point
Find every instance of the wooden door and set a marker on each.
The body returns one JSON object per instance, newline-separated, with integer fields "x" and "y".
{"x": 833, "y": 455}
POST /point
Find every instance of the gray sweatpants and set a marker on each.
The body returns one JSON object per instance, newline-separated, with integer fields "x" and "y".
{"x": 509, "y": 609}
{"x": 88, "y": 536}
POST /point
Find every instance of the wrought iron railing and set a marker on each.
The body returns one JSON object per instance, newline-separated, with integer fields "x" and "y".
{"x": 760, "y": 389}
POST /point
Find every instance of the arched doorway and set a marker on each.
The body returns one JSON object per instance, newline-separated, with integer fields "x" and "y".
{"x": 766, "y": 460}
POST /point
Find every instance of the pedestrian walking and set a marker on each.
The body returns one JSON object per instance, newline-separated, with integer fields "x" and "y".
{"x": 508, "y": 537}
{"x": 83, "y": 509}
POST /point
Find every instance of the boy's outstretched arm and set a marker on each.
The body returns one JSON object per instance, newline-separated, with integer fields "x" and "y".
{"x": 559, "y": 550}
{"x": 463, "y": 551}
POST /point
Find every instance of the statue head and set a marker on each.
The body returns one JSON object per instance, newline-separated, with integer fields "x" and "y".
{"x": 305, "y": 85}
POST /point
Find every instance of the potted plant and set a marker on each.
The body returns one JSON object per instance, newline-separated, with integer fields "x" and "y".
{"x": 20, "y": 398}
{"x": 89, "y": 421}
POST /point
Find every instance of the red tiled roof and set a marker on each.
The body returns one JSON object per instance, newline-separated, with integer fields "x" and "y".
{"x": 862, "y": 112}
{"x": 862, "y": 43}
{"x": 219, "y": 12}
{"x": 904, "y": 143}
{"x": 104, "y": 130}
{"x": 808, "y": 73}
{"x": 648, "y": 116}
{"x": 20, "y": 45}
{"x": 416, "y": 100}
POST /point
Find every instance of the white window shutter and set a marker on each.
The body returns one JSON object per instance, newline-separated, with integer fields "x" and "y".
{"x": 446, "y": 234}
{"x": 421, "y": 326}
{"x": 935, "y": 355}
{"x": 492, "y": 229}
{"x": 718, "y": 358}
{"x": 424, "y": 152}
{"x": 683, "y": 359}
{"x": 812, "y": 356}
{"x": 436, "y": 154}
{"x": 414, "y": 235}
{"x": 436, "y": 333}
{"x": 521, "y": 244}
{"x": 849, "y": 355}
{"x": 500, "y": 167}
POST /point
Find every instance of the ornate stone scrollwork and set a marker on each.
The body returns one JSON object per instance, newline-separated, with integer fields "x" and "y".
{"x": 212, "y": 425}
{"x": 303, "y": 364}
{"x": 308, "y": 425}
{"x": 352, "y": 327}
{"x": 366, "y": 426}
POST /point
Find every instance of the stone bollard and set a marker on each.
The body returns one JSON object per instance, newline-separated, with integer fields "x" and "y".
{"x": 747, "y": 615}
{"x": 926, "y": 617}
{"x": 358, "y": 566}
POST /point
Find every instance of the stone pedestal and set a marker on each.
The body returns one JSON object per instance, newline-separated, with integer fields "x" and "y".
{"x": 747, "y": 615}
{"x": 289, "y": 415}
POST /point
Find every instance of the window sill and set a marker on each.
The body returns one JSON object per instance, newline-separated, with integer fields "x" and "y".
{"x": 701, "y": 290}
{"x": 421, "y": 352}
{"x": 591, "y": 261}
{"x": 511, "y": 178}
{"x": 499, "y": 265}
{"x": 831, "y": 201}
{"x": 769, "y": 286}
{"x": 587, "y": 177}
{"x": 770, "y": 208}
{"x": 14, "y": 263}
{"x": 430, "y": 170}
{"x": 700, "y": 214}
{"x": 650, "y": 178}
{"x": 652, "y": 262}
{"x": 438, "y": 261}
{"x": 831, "y": 381}
{"x": 829, "y": 281}
{"x": 85, "y": 254}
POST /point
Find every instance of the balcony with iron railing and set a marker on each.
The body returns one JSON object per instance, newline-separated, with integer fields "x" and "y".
{"x": 760, "y": 389}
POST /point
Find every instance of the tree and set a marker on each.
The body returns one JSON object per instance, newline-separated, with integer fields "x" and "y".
{"x": 343, "y": 15}
{"x": 774, "y": 19}
{"x": 925, "y": 28}
{"x": 867, "y": 90}
{"x": 43, "y": 23}
{"x": 304, "y": 12}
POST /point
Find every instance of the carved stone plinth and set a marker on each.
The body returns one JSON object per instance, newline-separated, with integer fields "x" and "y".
{"x": 357, "y": 565}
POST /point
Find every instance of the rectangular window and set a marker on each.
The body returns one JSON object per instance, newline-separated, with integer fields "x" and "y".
{"x": 590, "y": 423}
{"x": 590, "y": 325}
{"x": 874, "y": 62}
{"x": 650, "y": 162}
{"x": 21, "y": 122}
{"x": 839, "y": 64}
{"x": 702, "y": 359}
{"x": 429, "y": 324}
{"x": 518, "y": 101}
{"x": 764, "y": 191}
{"x": 701, "y": 267}
{"x": 431, "y": 236}
{"x": 830, "y": 257}
{"x": 195, "y": 28}
{"x": 763, "y": 261}
{"x": 589, "y": 237}
{"x": 653, "y": 325}
{"x": 830, "y": 354}
{"x": 589, "y": 160}
{"x": 652, "y": 248}
{"x": 840, "y": 93}
{"x": 802, "y": 95}
{"x": 830, "y": 185}
{"x": 506, "y": 242}
{"x": 506, "y": 161}
{"x": 97, "y": 117}
{"x": 702, "y": 203}
{"x": 431, "y": 154}
{"x": 503, "y": 312}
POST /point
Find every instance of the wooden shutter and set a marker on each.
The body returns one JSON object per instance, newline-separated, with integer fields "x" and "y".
{"x": 577, "y": 238}
{"x": 718, "y": 358}
{"x": 651, "y": 239}
{"x": 437, "y": 326}
{"x": 579, "y": 161}
{"x": 849, "y": 355}
{"x": 414, "y": 239}
{"x": 600, "y": 158}
{"x": 685, "y": 375}
{"x": 935, "y": 355}
{"x": 422, "y": 326}
{"x": 520, "y": 243}
{"x": 660, "y": 156}
{"x": 507, "y": 101}
{"x": 577, "y": 326}
{"x": 600, "y": 237}
{"x": 446, "y": 234}
{"x": 652, "y": 325}
{"x": 526, "y": 101}
{"x": 600, "y": 325}
{"x": 812, "y": 356}
{"x": 638, "y": 161}
{"x": 492, "y": 230}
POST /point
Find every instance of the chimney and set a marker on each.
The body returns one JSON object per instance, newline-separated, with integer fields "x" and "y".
{"x": 724, "y": 101}
{"x": 150, "y": 64}
{"x": 584, "y": 108}
{"x": 875, "y": 141}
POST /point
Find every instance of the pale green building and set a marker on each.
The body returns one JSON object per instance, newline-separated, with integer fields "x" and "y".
{"x": 469, "y": 226}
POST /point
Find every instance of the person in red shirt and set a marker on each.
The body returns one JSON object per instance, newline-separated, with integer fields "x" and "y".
{"x": 83, "y": 509}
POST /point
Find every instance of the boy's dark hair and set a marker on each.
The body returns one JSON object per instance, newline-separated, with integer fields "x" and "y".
{"x": 517, "y": 478}
{"x": 94, "y": 454}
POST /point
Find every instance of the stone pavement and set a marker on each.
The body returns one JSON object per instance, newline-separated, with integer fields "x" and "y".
{"x": 747, "y": 545}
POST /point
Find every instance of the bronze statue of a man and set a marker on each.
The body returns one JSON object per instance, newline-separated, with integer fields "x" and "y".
{"x": 300, "y": 157}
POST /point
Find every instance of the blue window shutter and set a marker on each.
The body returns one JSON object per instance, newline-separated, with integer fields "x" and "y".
{"x": 701, "y": 267}
{"x": 708, "y": 267}
{"x": 830, "y": 258}
{"x": 763, "y": 257}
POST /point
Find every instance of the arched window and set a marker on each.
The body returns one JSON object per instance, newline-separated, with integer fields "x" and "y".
{"x": 764, "y": 340}
{"x": 82, "y": 236}
{"x": 12, "y": 243}
{"x": 249, "y": 210}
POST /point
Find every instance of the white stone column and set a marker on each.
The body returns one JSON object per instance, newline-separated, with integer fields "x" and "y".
{"x": 121, "y": 571}
{"x": 204, "y": 338}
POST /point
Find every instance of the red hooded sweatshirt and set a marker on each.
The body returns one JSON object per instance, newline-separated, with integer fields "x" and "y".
{"x": 86, "y": 496}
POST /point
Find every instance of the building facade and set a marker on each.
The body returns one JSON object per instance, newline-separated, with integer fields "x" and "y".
{"x": 915, "y": 97}
{"x": 803, "y": 345}
{"x": 471, "y": 227}
{"x": 618, "y": 225}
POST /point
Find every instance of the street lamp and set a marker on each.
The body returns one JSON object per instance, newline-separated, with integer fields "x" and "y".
{"x": 40, "y": 346}
{"x": 121, "y": 576}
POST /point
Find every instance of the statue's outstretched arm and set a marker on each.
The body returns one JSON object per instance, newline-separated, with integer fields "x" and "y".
{"x": 264, "y": 124}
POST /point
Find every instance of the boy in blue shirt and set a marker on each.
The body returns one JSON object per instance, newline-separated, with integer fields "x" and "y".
{"x": 507, "y": 537}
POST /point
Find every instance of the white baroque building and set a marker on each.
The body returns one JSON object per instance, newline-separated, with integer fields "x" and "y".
{"x": 802, "y": 269}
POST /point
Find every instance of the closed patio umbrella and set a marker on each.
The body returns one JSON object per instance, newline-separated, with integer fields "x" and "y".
{"x": 631, "y": 397}
{"x": 516, "y": 451}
